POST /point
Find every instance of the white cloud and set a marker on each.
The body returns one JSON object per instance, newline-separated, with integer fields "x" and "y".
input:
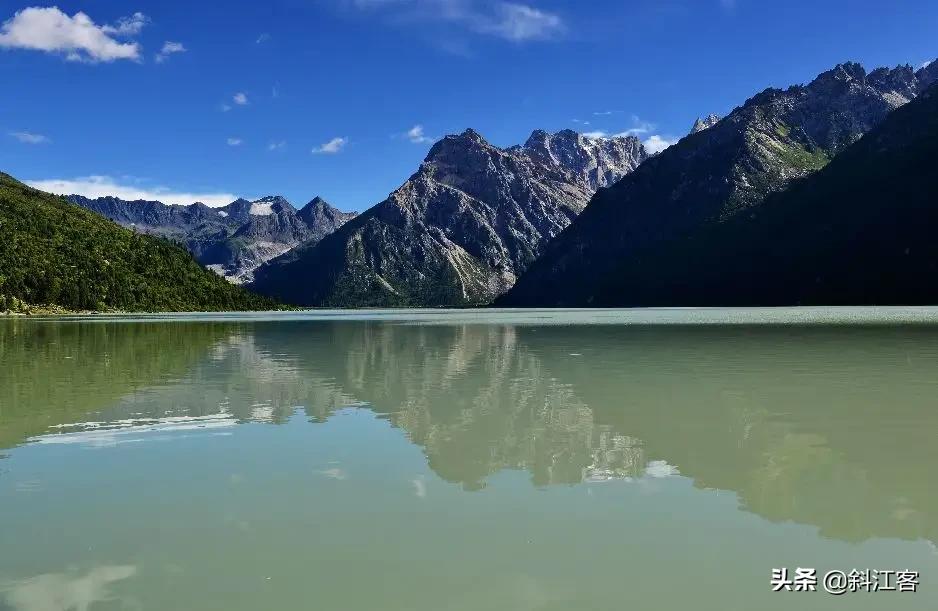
{"x": 225, "y": 107}
{"x": 330, "y": 148}
{"x": 127, "y": 26}
{"x": 415, "y": 134}
{"x": 279, "y": 144}
{"x": 606, "y": 113}
{"x": 78, "y": 37}
{"x": 234, "y": 141}
{"x": 518, "y": 22}
{"x": 580, "y": 121}
{"x": 240, "y": 98}
{"x": 169, "y": 47}
{"x": 264, "y": 37}
{"x": 30, "y": 138}
{"x": 102, "y": 186}
{"x": 638, "y": 127}
{"x": 508, "y": 20}
{"x": 656, "y": 143}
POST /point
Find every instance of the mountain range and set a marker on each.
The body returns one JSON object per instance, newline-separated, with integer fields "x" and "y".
{"x": 859, "y": 231}
{"x": 712, "y": 176}
{"x": 460, "y": 230}
{"x": 817, "y": 194}
{"x": 231, "y": 240}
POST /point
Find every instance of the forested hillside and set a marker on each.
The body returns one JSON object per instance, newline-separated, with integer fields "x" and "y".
{"x": 53, "y": 253}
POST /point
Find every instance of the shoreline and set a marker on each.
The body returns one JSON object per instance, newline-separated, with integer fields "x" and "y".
{"x": 756, "y": 316}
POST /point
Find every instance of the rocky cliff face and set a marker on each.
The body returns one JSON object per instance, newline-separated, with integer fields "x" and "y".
{"x": 460, "y": 230}
{"x": 232, "y": 240}
{"x": 705, "y": 123}
{"x": 597, "y": 162}
{"x": 714, "y": 175}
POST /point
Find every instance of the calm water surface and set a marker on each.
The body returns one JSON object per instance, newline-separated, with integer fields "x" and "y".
{"x": 428, "y": 461}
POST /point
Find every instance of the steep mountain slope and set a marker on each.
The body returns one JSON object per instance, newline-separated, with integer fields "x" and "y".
{"x": 713, "y": 175}
{"x": 860, "y": 231}
{"x": 232, "y": 240}
{"x": 55, "y": 253}
{"x": 460, "y": 230}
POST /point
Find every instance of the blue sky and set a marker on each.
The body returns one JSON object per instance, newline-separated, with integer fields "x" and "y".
{"x": 343, "y": 98}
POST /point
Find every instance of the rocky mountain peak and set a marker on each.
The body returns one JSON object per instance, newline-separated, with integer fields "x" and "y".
{"x": 317, "y": 203}
{"x": 320, "y": 213}
{"x": 837, "y": 81}
{"x": 236, "y": 211}
{"x": 270, "y": 204}
{"x": 927, "y": 74}
{"x": 705, "y": 123}
{"x": 598, "y": 162}
{"x": 845, "y": 72}
{"x": 538, "y": 135}
{"x": 466, "y": 150}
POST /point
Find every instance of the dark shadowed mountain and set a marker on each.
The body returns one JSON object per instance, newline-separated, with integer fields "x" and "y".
{"x": 460, "y": 230}
{"x": 859, "y": 231}
{"x": 710, "y": 177}
{"x": 232, "y": 240}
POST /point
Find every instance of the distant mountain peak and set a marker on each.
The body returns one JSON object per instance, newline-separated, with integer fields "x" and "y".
{"x": 466, "y": 138}
{"x": 317, "y": 203}
{"x": 232, "y": 240}
{"x": 705, "y": 123}
{"x": 270, "y": 204}
{"x": 927, "y": 74}
{"x": 598, "y": 162}
{"x": 319, "y": 213}
{"x": 466, "y": 148}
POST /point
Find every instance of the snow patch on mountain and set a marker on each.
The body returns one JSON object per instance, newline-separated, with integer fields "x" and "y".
{"x": 261, "y": 208}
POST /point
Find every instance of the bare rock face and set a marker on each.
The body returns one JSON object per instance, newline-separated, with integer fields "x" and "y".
{"x": 715, "y": 174}
{"x": 705, "y": 123}
{"x": 598, "y": 162}
{"x": 232, "y": 240}
{"x": 460, "y": 230}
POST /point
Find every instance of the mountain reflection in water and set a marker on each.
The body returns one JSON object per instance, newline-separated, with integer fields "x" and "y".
{"x": 817, "y": 425}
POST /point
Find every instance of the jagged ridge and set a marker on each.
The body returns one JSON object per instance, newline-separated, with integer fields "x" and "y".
{"x": 713, "y": 175}
{"x": 232, "y": 240}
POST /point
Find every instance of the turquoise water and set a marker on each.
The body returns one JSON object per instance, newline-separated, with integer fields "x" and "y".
{"x": 466, "y": 460}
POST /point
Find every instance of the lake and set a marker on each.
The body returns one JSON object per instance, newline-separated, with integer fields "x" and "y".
{"x": 543, "y": 460}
